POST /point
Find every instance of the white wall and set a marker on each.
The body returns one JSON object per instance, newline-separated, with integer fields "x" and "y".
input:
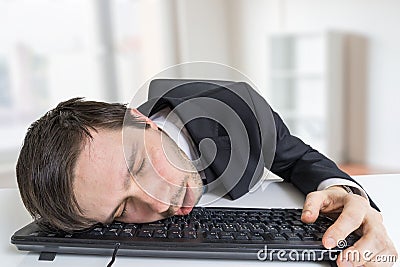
{"x": 203, "y": 30}
{"x": 377, "y": 20}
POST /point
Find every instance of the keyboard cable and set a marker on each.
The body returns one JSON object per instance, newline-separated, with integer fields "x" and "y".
{"x": 114, "y": 254}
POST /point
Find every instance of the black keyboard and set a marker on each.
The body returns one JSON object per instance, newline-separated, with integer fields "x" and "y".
{"x": 204, "y": 233}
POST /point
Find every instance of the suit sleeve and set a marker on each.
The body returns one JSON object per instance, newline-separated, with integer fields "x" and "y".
{"x": 300, "y": 164}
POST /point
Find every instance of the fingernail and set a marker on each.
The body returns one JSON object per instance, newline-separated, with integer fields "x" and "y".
{"x": 330, "y": 242}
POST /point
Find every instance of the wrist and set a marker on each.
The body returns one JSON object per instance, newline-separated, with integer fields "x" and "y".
{"x": 343, "y": 190}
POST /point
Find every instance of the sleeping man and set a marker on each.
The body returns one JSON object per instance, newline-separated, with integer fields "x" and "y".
{"x": 86, "y": 162}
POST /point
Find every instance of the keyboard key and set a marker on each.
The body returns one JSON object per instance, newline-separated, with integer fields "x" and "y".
{"x": 253, "y": 219}
{"x": 131, "y": 226}
{"x": 174, "y": 234}
{"x": 225, "y": 235}
{"x": 291, "y": 236}
{"x": 284, "y": 229}
{"x": 241, "y": 236}
{"x": 259, "y": 231}
{"x": 127, "y": 232}
{"x": 160, "y": 233}
{"x": 271, "y": 229}
{"x": 145, "y": 233}
{"x": 211, "y": 235}
{"x": 297, "y": 229}
{"x": 116, "y": 225}
{"x": 296, "y": 223}
{"x": 155, "y": 226}
{"x": 98, "y": 231}
{"x": 276, "y": 237}
{"x": 189, "y": 234}
{"x": 256, "y": 236}
{"x": 193, "y": 225}
{"x": 307, "y": 237}
{"x": 112, "y": 232}
{"x": 259, "y": 226}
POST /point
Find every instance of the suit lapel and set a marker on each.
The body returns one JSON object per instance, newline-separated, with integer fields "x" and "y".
{"x": 200, "y": 113}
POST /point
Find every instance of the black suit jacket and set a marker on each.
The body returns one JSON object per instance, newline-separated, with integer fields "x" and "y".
{"x": 237, "y": 134}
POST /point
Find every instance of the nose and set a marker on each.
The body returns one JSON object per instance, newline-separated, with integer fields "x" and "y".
{"x": 159, "y": 207}
{"x": 156, "y": 200}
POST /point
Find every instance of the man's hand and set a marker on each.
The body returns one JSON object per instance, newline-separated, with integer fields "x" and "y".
{"x": 356, "y": 213}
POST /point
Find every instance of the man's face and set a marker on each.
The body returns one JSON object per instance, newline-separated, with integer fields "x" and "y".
{"x": 161, "y": 182}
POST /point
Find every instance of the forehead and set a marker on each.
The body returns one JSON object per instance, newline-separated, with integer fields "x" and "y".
{"x": 99, "y": 169}
{"x": 107, "y": 152}
{"x": 105, "y": 146}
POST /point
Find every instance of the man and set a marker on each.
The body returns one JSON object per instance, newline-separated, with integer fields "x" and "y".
{"x": 76, "y": 168}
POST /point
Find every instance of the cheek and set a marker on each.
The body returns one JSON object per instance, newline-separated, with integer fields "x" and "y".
{"x": 164, "y": 167}
{"x": 140, "y": 212}
{"x": 159, "y": 162}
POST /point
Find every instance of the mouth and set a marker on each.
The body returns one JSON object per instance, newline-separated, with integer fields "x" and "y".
{"x": 187, "y": 203}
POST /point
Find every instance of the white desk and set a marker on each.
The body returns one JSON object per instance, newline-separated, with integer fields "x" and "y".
{"x": 383, "y": 189}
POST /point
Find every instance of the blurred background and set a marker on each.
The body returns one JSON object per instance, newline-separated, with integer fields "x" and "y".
{"x": 330, "y": 68}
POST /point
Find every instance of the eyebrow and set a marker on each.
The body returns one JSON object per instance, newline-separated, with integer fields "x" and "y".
{"x": 130, "y": 164}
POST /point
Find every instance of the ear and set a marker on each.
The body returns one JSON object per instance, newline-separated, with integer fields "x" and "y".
{"x": 148, "y": 121}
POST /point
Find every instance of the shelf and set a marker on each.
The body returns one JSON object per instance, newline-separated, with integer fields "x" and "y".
{"x": 306, "y": 88}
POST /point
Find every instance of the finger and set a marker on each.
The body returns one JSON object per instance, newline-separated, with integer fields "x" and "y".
{"x": 353, "y": 214}
{"x": 325, "y": 201}
{"x": 312, "y": 205}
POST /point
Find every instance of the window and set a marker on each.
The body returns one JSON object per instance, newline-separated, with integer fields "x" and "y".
{"x": 52, "y": 50}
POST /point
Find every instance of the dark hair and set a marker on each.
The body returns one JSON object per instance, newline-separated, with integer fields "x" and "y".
{"x": 45, "y": 167}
